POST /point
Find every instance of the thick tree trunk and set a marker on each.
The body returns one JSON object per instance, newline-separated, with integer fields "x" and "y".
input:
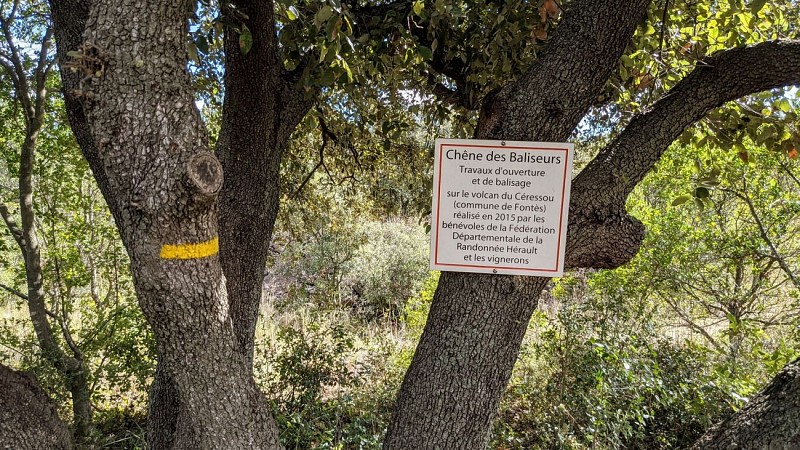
{"x": 463, "y": 362}
{"x": 261, "y": 109}
{"x": 146, "y": 138}
{"x": 28, "y": 418}
{"x": 770, "y": 420}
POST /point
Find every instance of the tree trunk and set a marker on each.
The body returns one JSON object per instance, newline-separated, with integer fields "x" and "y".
{"x": 72, "y": 368}
{"x": 161, "y": 183}
{"x": 28, "y": 418}
{"x": 262, "y": 106}
{"x": 463, "y": 362}
{"x": 471, "y": 340}
{"x": 770, "y": 420}
{"x": 163, "y": 410}
{"x": 261, "y": 109}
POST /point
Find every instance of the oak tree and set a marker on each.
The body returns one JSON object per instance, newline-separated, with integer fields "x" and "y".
{"x": 529, "y": 71}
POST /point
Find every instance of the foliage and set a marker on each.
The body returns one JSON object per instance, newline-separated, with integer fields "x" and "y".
{"x": 725, "y": 266}
{"x": 87, "y": 283}
{"x": 323, "y": 393}
{"x": 608, "y": 364}
{"x": 652, "y": 353}
{"x": 599, "y": 374}
{"x": 368, "y": 269}
{"x": 331, "y": 379}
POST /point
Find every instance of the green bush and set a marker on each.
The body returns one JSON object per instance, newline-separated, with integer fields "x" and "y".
{"x": 369, "y": 270}
{"x": 389, "y": 268}
{"x": 326, "y": 393}
{"x": 599, "y": 374}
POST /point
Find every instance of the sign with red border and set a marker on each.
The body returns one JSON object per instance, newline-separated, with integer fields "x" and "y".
{"x": 500, "y": 206}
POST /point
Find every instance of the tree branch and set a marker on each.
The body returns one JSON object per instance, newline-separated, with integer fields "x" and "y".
{"x": 718, "y": 79}
{"x": 687, "y": 320}
{"x": 12, "y": 226}
{"x": 453, "y": 68}
{"x": 448, "y": 96}
{"x": 763, "y": 232}
{"x": 20, "y": 78}
{"x": 69, "y": 23}
{"x": 551, "y": 98}
{"x": 602, "y": 234}
{"x": 13, "y": 291}
{"x": 789, "y": 172}
{"x": 262, "y": 107}
{"x": 325, "y": 132}
{"x": 40, "y": 73}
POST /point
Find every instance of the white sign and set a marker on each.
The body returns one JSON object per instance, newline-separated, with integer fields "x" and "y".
{"x": 500, "y": 206}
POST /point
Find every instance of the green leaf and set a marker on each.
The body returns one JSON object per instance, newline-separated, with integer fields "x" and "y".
{"x": 716, "y": 170}
{"x": 202, "y": 44}
{"x": 744, "y": 156}
{"x": 332, "y": 29}
{"x": 425, "y": 52}
{"x": 193, "y": 52}
{"x": 681, "y": 200}
{"x": 291, "y": 13}
{"x": 323, "y": 15}
{"x": 699, "y": 203}
{"x": 709, "y": 183}
{"x": 701, "y": 192}
{"x": 418, "y": 7}
{"x": 347, "y": 70}
{"x": 756, "y": 6}
{"x": 245, "y": 40}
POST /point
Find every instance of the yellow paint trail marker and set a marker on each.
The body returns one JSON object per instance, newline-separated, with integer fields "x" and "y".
{"x": 190, "y": 251}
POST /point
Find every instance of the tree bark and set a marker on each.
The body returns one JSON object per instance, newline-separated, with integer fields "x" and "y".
{"x": 150, "y": 154}
{"x": 263, "y": 104}
{"x": 28, "y": 418}
{"x": 262, "y": 107}
{"x": 770, "y": 420}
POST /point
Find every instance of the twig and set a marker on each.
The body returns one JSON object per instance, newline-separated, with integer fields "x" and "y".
{"x": 14, "y": 291}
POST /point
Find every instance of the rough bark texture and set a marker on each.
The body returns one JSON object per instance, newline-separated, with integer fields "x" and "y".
{"x": 477, "y": 322}
{"x": 142, "y": 134}
{"x": 770, "y": 421}
{"x": 163, "y": 409}
{"x": 263, "y": 105}
{"x": 28, "y": 418}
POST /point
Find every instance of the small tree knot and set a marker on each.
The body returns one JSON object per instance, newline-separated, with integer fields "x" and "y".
{"x": 205, "y": 173}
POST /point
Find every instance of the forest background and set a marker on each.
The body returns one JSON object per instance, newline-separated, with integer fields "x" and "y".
{"x": 648, "y": 355}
